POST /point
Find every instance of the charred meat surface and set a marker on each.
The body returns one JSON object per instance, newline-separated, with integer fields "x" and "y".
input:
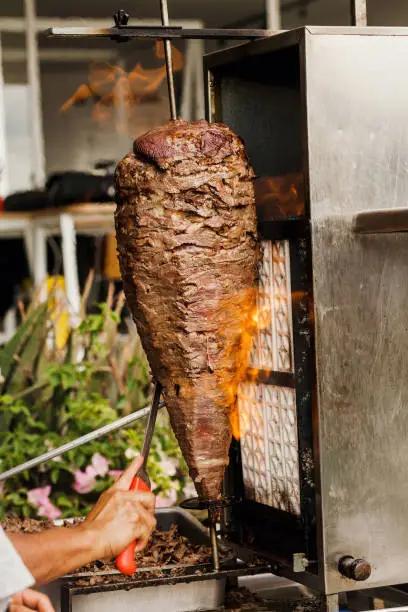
{"x": 188, "y": 251}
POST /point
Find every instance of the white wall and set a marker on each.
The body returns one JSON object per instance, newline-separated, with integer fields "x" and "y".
{"x": 18, "y": 147}
{"x": 337, "y": 12}
{"x": 75, "y": 141}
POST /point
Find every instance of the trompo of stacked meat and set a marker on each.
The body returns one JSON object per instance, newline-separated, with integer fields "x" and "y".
{"x": 188, "y": 250}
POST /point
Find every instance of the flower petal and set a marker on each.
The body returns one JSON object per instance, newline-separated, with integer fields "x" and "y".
{"x": 50, "y": 511}
{"x": 84, "y": 481}
{"x": 100, "y": 464}
{"x": 39, "y": 497}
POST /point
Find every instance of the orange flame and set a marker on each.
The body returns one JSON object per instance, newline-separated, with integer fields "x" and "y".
{"x": 249, "y": 318}
{"x": 280, "y": 197}
{"x": 110, "y": 85}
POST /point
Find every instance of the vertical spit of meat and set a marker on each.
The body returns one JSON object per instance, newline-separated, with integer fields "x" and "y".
{"x": 188, "y": 251}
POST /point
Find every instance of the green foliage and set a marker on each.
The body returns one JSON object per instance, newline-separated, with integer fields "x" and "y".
{"x": 52, "y": 395}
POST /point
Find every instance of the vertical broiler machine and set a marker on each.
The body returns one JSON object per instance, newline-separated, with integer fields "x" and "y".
{"x": 317, "y": 478}
{"x": 321, "y": 464}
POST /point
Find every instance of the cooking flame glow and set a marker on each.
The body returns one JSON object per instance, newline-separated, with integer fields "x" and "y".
{"x": 280, "y": 197}
{"x": 251, "y": 318}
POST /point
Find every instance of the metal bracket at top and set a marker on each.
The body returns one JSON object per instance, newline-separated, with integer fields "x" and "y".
{"x": 127, "y": 32}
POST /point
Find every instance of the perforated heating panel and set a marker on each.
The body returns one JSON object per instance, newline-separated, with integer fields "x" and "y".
{"x": 272, "y": 349}
{"x": 267, "y": 413}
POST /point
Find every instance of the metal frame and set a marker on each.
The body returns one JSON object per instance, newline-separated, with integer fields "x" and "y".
{"x": 330, "y": 211}
{"x": 242, "y": 520}
{"x": 69, "y": 590}
{"x": 124, "y": 33}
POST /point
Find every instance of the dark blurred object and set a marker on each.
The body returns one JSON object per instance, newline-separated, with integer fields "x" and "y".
{"x": 65, "y": 188}
{"x": 62, "y": 189}
{"x": 13, "y": 271}
{"x": 26, "y": 201}
{"x": 107, "y": 166}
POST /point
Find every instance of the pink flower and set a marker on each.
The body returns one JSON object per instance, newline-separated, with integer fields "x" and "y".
{"x": 41, "y": 499}
{"x": 40, "y": 496}
{"x": 165, "y": 501}
{"x": 50, "y": 511}
{"x": 115, "y": 473}
{"x": 85, "y": 481}
{"x": 100, "y": 464}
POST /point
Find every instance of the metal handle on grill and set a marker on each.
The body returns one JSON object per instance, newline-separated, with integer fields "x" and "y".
{"x": 387, "y": 221}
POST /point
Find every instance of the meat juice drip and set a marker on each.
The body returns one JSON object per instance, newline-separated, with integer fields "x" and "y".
{"x": 188, "y": 251}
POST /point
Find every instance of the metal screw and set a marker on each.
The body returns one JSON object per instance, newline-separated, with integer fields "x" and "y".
{"x": 121, "y": 18}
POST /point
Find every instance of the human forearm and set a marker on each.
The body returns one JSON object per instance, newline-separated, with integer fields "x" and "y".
{"x": 51, "y": 554}
{"x": 118, "y": 518}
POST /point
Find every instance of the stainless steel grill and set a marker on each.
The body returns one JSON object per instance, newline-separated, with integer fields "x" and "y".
{"x": 320, "y": 464}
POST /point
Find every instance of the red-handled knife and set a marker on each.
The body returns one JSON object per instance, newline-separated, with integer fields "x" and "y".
{"x": 125, "y": 562}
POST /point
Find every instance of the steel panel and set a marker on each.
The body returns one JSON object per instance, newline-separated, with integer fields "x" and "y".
{"x": 357, "y": 121}
{"x": 332, "y": 103}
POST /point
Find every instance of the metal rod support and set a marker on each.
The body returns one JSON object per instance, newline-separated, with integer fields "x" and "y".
{"x": 33, "y": 75}
{"x": 214, "y": 547}
{"x": 273, "y": 14}
{"x": 4, "y": 175}
{"x": 151, "y": 423}
{"x": 359, "y": 13}
{"x": 159, "y": 33}
{"x": 92, "y": 435}
{"x": 169, "y": 62}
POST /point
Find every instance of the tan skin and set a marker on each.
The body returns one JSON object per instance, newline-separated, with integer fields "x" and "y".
{"x": 30, "y": 600}
{"x": 118, "y": 518}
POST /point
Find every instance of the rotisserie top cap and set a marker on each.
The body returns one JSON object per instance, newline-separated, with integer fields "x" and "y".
{"x": 181, "y": 140}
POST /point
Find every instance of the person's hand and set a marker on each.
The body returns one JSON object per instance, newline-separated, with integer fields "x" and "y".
{"x": 30, "y": 600}
{"x": 121, "y": 516}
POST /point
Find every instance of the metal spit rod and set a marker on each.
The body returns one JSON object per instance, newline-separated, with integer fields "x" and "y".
{"x": 92, "y": 435}
{"x": 212, "y": 515}
{"x": 214, "y": 547}
{"x": 169, "y": 63}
